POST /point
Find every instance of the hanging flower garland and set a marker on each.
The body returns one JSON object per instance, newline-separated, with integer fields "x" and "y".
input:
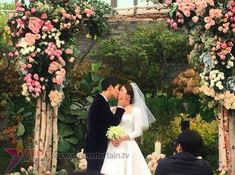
{"x": 212, "y": 27}
{"x": 44, "y": 35}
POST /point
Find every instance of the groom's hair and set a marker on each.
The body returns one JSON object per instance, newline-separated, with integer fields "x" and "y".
{"x": 107, "y": 82}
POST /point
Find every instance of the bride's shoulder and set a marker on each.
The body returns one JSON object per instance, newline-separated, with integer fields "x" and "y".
{"x": 136, "y": 109}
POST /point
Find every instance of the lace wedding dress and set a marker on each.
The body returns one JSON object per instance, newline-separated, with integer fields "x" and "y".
{"x": 126, "y": 159}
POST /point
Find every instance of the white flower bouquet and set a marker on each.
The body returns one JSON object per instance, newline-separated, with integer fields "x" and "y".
{"x": 115, "y": 132}
{"x": 80, "y": 161}
{"x": 152, "y": 161}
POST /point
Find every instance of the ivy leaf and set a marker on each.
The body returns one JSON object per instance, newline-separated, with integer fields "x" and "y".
{"x": 20, "y": 130}
{"x": 72, "y": 140}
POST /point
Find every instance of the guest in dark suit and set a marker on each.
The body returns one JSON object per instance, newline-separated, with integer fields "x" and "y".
{"x": 100, "y": 118}
{"x": 185, "y": 161}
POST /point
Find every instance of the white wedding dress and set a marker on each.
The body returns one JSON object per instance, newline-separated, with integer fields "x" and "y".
{"x": 126, "y": 159}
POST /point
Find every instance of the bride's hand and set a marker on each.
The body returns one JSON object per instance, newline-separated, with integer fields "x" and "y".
{"x": 125, "y": 137}
{"x": 116, "y": 142}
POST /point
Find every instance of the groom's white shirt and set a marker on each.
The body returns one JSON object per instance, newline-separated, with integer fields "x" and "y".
{"x": 104, "y": 97}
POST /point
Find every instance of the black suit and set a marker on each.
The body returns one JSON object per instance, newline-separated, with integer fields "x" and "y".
{"x": 100, "y": 118}
{"x": 183, "y": 164}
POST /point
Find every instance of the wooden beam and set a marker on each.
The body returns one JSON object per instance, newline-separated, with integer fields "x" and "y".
{"x": 135, "y": 2}
{"x": 114, "y": 3}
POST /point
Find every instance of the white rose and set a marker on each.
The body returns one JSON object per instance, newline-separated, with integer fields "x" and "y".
{"x": 212, "y": 84}
{"x": 220, "y": 87}
{"x": 71, "y": 60}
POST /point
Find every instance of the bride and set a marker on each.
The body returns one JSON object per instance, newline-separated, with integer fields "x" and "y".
{"x": 126, "y": 158}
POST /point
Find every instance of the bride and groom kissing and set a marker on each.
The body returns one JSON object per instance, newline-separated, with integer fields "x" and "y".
{"x": 132, "y": 114}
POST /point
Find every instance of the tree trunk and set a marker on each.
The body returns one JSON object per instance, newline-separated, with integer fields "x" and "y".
{"x": 227, "y": 141}
{"x": 45, "y": 137}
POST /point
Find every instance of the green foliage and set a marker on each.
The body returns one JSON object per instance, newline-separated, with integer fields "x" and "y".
{"x": 143, "y": 55}
{"x": 97, "y": 23}
{"x": 7, "y": 6}
{"x": 165, "y": 108}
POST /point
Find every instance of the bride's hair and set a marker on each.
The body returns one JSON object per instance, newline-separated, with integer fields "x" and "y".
{"x": 129, "y": 92}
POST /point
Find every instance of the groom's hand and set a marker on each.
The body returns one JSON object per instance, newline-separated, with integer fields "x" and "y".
{"x": 124, "y": 101}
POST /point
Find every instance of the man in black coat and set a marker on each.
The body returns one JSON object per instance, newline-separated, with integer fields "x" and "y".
{"x": 100, "y": 118}
{"x": 185, "y": 161}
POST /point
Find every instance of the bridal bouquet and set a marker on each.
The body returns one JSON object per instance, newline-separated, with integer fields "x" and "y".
{"x": 115, "y": 132}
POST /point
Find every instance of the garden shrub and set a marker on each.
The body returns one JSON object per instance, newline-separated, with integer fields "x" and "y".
{"x": 142, "y": 55}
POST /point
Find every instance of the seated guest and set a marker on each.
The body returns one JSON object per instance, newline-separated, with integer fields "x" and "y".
{"x": 185, "y": 161}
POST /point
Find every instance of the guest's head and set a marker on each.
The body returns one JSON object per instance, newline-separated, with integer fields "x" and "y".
{"x": 189, "y": 141}
{"x": 111, "y": 87}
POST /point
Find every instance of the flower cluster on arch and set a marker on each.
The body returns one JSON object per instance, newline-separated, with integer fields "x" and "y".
{"x": 41, "y": 35}
{"x": 212, "y": 34}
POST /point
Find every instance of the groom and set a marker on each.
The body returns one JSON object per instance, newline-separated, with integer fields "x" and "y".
{"x": 100, "y": 118}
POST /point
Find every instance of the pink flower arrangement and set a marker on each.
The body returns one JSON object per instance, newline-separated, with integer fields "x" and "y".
{"x": 42, "y": 42}
{"x": 215, "y": 24}
{"x": 60, "y": 76}
{"x": 33, "y": 83}
{"x": 30, "y": 39}
{"x": 52, "y": 51}
{"x": 35, "y": 24}
{"x": 47, "y": 26}
{"x": 54, "y": 66}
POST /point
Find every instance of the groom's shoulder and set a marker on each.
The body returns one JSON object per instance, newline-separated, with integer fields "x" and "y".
{"x": 98, "y": 98}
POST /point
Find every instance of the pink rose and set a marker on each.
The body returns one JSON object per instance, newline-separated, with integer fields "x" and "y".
{"x": 20, "y": 23}
{"x": 192, "y": 6}
{"x": 207, "y": 19}
{"x": 187, "y": 13}
{"x": 222, "y": 57}
{"x": 44, "y": 16}
{"x": 89, "y": 12}
{"x": 35, "y": 24}
{"x": 195, "y": 19}
{"x": 10, "y": 54}
{"x": 60, "y": 76}
{"x": 168, "y": 2}
{"x": 36, "y": 77}
{"x": 30, "y": 39}
{"x": 27, "y": 13}
{"x": 33, "y": 10}
{"x": 207, "y": 26}
{"x": 215, "y": 13}
{"x": 54, "y": 66}
{"x": 223, "y": 45}
{"x": 47, "y": 26}
{"x": 69, "y": 51}
{"x": 16, "y": 53}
